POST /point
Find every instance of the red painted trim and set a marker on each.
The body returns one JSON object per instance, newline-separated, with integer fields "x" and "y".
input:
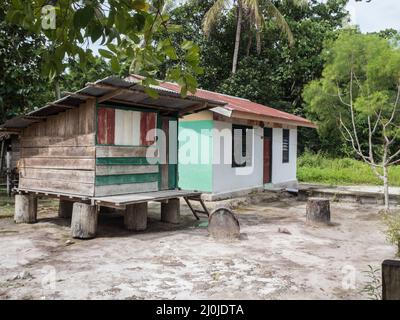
{"x": 105, "y": 126}
{"x": 147, "y": 123}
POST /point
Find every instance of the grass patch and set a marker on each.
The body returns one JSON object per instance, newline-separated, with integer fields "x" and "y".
{"x": 6, "y": 204}
{"x": 321, "y": 169}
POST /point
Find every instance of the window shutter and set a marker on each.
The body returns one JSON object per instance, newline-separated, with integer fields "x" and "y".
{"x": 285, "y": 145}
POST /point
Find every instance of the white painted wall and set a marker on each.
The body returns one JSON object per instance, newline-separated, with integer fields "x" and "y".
{"x": 228, "y": 179}
{"x": 284, "y": 173}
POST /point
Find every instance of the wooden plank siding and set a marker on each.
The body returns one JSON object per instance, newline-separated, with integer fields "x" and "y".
{"x": 109, "y": 190}
{"x": 126, "y": 161}
{"x": 125, "y": 169}
{"x": 58, "y": 154}
{"x": 126, "y": 178}
{"x": 125, "y": 152}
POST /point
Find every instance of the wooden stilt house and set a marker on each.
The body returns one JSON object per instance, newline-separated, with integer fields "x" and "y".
{"x": 99, "y": 147}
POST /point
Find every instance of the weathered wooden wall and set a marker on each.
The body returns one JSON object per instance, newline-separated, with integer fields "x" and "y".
{"x": 58, "y": 154}
{"x": 125, "y": 159}
{"x": 15, "y": 151}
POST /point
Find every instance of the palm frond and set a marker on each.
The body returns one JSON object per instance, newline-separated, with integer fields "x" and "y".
{"x": 300, "y": 3}
{"x": 280, "y": 20}
{"x": 212, "y": 15}
{"x": 256, "y": 16}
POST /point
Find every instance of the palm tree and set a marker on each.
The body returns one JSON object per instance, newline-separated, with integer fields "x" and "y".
{"x": 255, "y": 16}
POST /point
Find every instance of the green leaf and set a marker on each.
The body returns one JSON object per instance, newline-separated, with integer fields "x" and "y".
{"x": 106, "y": 54}
{"x": 171, "y": 52}
{"x": 172, "y": 28}
{"x": 151, "y": 92}
{"x": 83, "y": 16}
{"x": 115, "y": 66}
{"x": 198, "y": 70}
{"x": 96, "y": 32}
{"x": 140, "y": 5}
{"x": 186, "y": 45}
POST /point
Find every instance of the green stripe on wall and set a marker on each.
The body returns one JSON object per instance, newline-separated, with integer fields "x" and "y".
{"x": 122, "y": 161}
{"x": 126, "y": 179}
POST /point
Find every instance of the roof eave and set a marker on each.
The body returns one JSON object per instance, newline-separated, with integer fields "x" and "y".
{"x": 271, "y": 119}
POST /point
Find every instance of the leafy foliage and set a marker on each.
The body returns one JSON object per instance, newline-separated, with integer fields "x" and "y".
{"x": 76, "y": 76}
{"x": 22, "y": 86}
{"x": 137, "y": 31}
{"x": 360, "y": 71}
{"x": 392, "y": 222}
{"x": 373, "y": 288}
{"x": 374, "y": 62}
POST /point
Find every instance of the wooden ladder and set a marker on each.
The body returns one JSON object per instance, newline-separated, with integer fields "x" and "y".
{"x": 194, "y": 211}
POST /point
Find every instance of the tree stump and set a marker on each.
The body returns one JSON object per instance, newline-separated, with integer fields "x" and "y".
{"x": 65, "y": 209}
{"x": 25, "y": 208}
{"x": 170, "y": 211}
{"x": 391, "y": 280}
{"x": 84, "y": 221}
{"x": 135, "y": 217}
{"x": 222, "y": 224}
{"x": 318, "y": 211}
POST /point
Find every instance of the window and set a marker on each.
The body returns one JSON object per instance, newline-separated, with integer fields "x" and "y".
{"x": 125, "y": 127}
{"x": 241, "y": 145}
{"x": 285, "y": 145}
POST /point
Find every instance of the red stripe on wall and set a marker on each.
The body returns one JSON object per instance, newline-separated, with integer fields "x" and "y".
{"x": 101, "y": 125}
{"x": 110, "y": 126}
{"x": 105, "y": 126}
{"x": 147, "y": 123}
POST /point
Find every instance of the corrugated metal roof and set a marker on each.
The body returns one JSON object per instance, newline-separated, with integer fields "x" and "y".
{"x": 237, "y": 103}
{"x": 115, "y": 90}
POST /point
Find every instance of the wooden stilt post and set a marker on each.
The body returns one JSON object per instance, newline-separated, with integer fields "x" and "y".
{"x": 391, "y": 280}
{"x": 25, "y": 208}
{"x": 135, "y": 217}
{"x": 8, "y": 166}
{"x": 84, "y": 221}
{"x": 170, "y": 211}
{"x": 65, "y": 209}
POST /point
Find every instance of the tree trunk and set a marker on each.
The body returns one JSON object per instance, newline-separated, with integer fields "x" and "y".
{"x": 222, "y": 224}
{"x": 386, "y": 187}
{"x": 391, "y": 280}
{"x": 237, "y": 39}
{"x": 249, "y": 43}
{"x": 258, "y": 37}
{"x": 57, "y": 90}
{"x": 318, "y": 211}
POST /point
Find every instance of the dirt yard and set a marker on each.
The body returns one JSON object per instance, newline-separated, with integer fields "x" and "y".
{"x": 41, "y": 261}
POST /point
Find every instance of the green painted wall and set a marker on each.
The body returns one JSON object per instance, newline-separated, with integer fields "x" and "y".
{"x": 126, "y": 178}
{"x": 196, "y": 176}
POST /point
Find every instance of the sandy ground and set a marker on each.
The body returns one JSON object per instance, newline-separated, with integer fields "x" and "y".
{"x": 181, "y": 262}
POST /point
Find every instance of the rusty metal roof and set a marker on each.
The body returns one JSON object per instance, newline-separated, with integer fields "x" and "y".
{"x": 242, "y": 105}
{"x": 116, "y": 90}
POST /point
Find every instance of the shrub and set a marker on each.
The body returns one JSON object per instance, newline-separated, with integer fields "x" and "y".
{"x": 392, "y": 221}
{"x": 322, "y": 169}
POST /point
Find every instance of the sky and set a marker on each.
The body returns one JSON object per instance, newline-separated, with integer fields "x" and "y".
{"x": 376, "y": 15}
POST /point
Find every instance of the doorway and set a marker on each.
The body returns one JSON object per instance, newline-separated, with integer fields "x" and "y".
{"x": 267, "y": 155}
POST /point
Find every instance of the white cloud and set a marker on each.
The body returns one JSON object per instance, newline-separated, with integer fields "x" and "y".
{"x": 376, "y": 15}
